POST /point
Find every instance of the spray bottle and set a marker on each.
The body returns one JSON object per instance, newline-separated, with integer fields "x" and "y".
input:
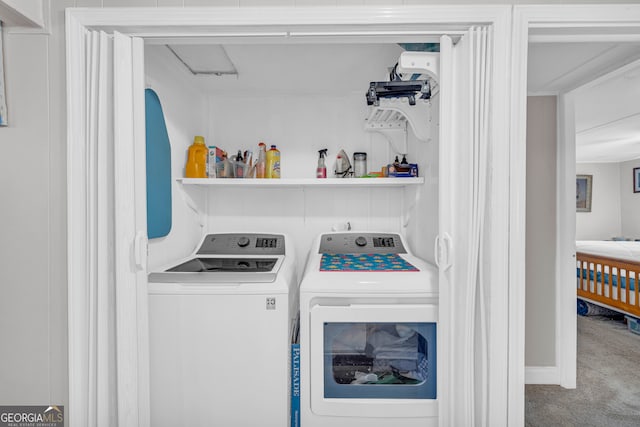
{"x": 321, "y": 171}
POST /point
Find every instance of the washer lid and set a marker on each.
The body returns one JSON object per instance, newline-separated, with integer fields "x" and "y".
{"x": 220, "y": 270}
{"x": 225, "y": 265}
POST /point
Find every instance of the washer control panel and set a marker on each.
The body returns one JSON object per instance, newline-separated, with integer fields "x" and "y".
{"x": 361, "y": 243}
{"x": 242, "y": 244}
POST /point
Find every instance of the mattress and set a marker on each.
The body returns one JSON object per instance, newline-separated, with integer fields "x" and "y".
{"x": 613, "y": 249}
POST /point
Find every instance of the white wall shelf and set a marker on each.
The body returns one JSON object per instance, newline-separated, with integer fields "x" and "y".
{"x": 304, "y": 182}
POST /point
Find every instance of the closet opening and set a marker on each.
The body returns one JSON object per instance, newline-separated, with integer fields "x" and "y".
{"x": 582, "y": 128}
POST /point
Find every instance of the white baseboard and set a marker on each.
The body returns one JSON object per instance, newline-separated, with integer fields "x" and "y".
{"x": 541, "y": 375}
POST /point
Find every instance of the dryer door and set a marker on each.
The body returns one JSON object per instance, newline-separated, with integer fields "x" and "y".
{"x": 375, "y": 360}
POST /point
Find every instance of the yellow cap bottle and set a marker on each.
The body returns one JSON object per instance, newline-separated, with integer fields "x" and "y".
{"x": 273, "y": 163}
{"x": 197, "y": 159}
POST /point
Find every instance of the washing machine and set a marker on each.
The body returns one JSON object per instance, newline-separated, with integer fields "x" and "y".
{"x": 368, "y": 333}
{"x": 219, "y": 333}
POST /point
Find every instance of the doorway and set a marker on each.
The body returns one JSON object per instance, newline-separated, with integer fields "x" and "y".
{"x": 552, "y": 25}
{"x": 561, "y": 59}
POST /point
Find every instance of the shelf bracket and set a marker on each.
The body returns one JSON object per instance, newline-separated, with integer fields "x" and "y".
{"x": 410, "y": 209}
{"x": 392, "y": 116}
{"x": 395, "y": 133}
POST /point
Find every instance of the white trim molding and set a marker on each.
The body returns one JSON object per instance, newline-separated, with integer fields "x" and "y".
{"x": 550, "y": 23}
{"x": 78, "y": 244}
{"x": 566, "y": 302}
{"x": 330, "y": 24}
{"x": 24, "y": 13}
{"x": 517, "y": 219}
{"x": 542, "y": 375}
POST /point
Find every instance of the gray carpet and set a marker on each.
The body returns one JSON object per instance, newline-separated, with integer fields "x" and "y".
{"x": 608, "y": 381}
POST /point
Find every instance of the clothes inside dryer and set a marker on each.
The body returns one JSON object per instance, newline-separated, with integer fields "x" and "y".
{"x": 380, "y": 360}
{"x": 378, "y": 353}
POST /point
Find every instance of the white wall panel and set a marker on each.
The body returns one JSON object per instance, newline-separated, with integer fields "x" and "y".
{"x": 604, "y": 220}
{"x": 299, "y": 126}
{"x": 320, "y": 2}
{"x": 224, "y": 3}
{"x": 383, "y": 2}
{"x": 24, "y": 226}
{"x": 541, "y": 231}
{"x": 422, "y": 228}
{"x": 27, "y": 13}
{"x": 57, "y": 221}
{"x": 629, "y": 201}
{"x": 88, "y": 3}
{"x": 128, "y": 3}
{"x": 265, "y": 3}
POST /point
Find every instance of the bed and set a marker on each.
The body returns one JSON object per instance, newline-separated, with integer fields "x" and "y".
{"x": 608, "y": 274}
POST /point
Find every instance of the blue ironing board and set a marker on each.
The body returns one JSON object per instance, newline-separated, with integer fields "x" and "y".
{"x": 158, "y": 168}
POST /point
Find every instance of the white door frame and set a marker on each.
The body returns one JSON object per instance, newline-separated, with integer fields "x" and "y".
{"x": 260, "y": 25}
{"x": 560, "y": 23}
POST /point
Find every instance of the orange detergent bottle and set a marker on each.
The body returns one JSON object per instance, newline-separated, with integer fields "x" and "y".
{"x": 197, "y": 159}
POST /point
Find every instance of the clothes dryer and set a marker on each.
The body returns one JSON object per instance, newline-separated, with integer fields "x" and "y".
{"x": 219, "y": 324}
{"x": 368, "y": 333}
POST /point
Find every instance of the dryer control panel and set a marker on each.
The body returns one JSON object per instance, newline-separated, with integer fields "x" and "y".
{"x": 361, "y": 243}
{"x": 242, "y": 244}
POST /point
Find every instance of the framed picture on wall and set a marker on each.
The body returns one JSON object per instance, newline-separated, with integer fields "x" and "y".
{"x": 636, "y": 180}
{"x": 583, "y": 192}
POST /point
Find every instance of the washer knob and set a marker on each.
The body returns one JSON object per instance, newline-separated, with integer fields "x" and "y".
{"x": 243, "y": 241}
{"x": 361, "y": 241}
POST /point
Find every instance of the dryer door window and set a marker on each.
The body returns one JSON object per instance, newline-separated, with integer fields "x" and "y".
{"x": 380, "y": 360}
{"x": 373, "y": 358}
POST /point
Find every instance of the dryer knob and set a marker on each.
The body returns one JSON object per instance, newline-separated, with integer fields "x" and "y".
{"x": 361, "y": 241}
{"x": 243, "y": 241}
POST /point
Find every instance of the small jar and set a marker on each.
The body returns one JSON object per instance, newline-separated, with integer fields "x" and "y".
{"x": 359, "y": 164}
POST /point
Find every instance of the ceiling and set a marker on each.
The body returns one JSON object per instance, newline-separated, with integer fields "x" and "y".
{"x": 295, "y": 69}
{"x": 606, "y": 77}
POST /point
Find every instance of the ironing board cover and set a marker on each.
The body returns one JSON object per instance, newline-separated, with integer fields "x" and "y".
{"x": 158, "y": 168}
{"x": 365, "y": 262}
